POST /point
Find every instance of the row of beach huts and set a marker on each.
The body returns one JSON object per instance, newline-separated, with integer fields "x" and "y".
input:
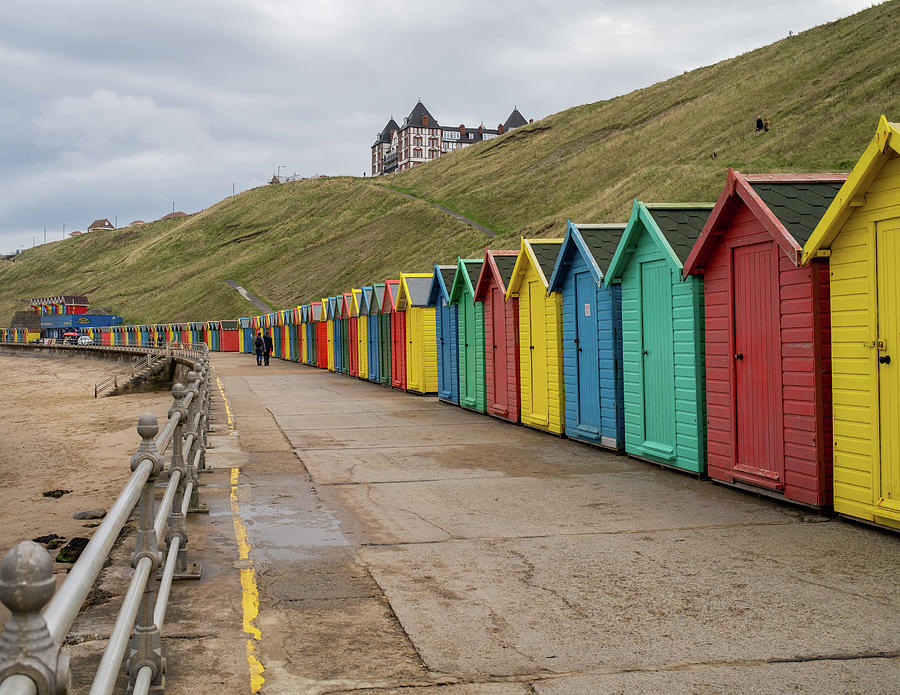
{"x": 749, "y": 340}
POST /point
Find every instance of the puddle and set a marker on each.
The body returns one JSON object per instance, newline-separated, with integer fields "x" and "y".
{"x": 286, "y": 534}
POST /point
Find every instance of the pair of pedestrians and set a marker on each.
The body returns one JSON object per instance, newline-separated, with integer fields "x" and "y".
{"x": 263, "y": 349}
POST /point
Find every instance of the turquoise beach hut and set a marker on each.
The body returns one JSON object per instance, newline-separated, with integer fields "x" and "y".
{"x": 662, "y": 334}
{"x": 592, "y": 334}
{"x": 470, "y": 332}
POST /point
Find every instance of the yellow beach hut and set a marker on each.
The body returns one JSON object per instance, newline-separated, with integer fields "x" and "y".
{"x": 421, "y": 332}
{"x": 540, "y": 335}
{"x": 362, "y": 335}
{"x": 860, "y": 234}
{"x": 328, "y": 309}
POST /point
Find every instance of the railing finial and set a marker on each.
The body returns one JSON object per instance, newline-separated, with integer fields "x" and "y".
{"x": 148, "y": 428}
{"x": 26, "y": 647}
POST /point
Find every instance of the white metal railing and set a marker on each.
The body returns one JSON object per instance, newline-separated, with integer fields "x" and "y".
{"x": 31, "y": 660}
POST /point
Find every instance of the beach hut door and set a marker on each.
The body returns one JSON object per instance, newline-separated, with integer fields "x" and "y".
{"x": 887, "y": 245}
{"x": 657, "y": 358}
{"x": 586, "y": 361}
{"x": 467, "y": 314}
{"x": 444, "y": 325}
{"x": 538, "y": 349}
{"x": 757, "y": 362}
{"x": 498, "y": 318}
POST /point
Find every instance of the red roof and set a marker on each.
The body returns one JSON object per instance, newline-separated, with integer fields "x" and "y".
{"x": 75, "y": 234}
{"x": 173, "y": 215}
{"x": 131, "y": 224}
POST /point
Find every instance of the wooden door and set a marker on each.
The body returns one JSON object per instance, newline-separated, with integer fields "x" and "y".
{"x": 887, "y": 244}
{"x": 444, "y": 349}
{"x": 586, "y": 354}
{"x": 498, "y": 351}
{"x": 467, "y": 351}
{"x": 756, "y": 358}
{"x": 537, "y": 330}
{"x": 385, "y": 352}
{"x": 657, "y": 347}
{"x": 413, "y": 362}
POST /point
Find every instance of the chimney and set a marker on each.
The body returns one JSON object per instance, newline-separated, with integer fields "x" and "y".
{"x": 481, "y": 129}
{"x": 499, "y": 129}
{"x": 462, "y": 129}
{"x": 531, "y": 120}
{"x": 424, "y": 119}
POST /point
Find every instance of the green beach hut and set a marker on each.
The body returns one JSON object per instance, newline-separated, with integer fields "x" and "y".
{"x": 470, "y": 332}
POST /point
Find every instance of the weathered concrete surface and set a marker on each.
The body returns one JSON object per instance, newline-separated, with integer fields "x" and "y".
{"x": 402, "y": 543}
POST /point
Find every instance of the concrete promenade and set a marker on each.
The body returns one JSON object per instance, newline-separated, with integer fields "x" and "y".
{"x": 398, "y": 544}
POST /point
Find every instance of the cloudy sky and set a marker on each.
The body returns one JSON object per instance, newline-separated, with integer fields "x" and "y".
{"x": 120, "y": 109}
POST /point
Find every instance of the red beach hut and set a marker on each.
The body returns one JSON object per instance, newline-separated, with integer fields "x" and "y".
{"x": 398, "y": 334}
{"x": 768, "y": 336}
{"x": 353, "y": 313}
{"x": 501, "y": 334}
{"x": 321, "y": 329}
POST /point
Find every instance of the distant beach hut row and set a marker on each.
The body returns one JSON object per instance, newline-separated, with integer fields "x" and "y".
{"x": 754, "y": 340}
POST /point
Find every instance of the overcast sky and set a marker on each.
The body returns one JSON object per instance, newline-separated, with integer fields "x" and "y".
{"x": 119, "y": 108}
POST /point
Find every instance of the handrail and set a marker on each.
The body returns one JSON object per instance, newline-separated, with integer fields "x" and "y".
{"x": 31, "y": 661}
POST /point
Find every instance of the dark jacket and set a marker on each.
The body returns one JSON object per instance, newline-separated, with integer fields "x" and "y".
{"x": 268, "y": 343}
{"x": 258, "y": 343}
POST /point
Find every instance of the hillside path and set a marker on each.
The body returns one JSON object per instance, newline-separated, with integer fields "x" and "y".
{"x": 250, "y": 297}
{"x": 465, "y": 220}
{"x": 403, "y": 543}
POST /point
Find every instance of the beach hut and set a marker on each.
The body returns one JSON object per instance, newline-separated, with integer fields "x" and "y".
{"x": 501, "y": 334}
{"x": 662, "y": 334}
{"x": 338, "y": 302}
{"x": 362, "y": 333}
{"x": 398, "y": 335}
{"x": 384, "y": 332}
{"x": 246, "y": 335}
{"x": 329, "y": 332}
{"x": 470, "y": 334}
{"x": 540, "y": 335}
{"x": 229, "y": 336}
{"x": 860, "y": 236}
{"x": 446, "y": 342}
{"x": 320, "y": 316}
{"x": 304, "y": 335}
{"x": 592, "y": 334}
{"x": 346, "y": 299}
{"x": 767, "y": 336}
{"x": 421, "y": 341}
{"x": 351, "y": 298}
{"x": 372, "y": 320}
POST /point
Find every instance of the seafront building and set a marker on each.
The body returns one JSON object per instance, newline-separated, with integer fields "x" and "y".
{"x": 421, "y": 138}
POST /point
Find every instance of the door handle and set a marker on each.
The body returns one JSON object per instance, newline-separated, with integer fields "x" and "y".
{"x": 644, "y": 352}
{"x": 739, "y": 355}
{"x": 884, "y": 359}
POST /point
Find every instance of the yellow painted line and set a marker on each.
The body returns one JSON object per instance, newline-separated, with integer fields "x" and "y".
{"x": 249, "y": 590}
{"x": 227, "y": 405}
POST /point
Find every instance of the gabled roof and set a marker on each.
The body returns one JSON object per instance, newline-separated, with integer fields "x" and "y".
{"x": 498, "y": 264}
{"x": 377, "y": 297}
{"x": 883, "y": 146}
{"x": 354, "y": 302}
{"x": 787, "y": 206}
{"x": 346, "y": 303}
{"x": 597, "y": 243}
{"x": 316, "y": 311}
{"x": 538, "y": 253}
{"x": 413, "y": 290}
{"x": 391, "y": 295}
{"x": 365, "y": 307}
{"x": 674, "y": 227}
{"x": 100, "y": 224}
{"x": 414, "y": 120}
{"x": 465, "y": 278}
{"x": 515, "y": 120}
{"x": 385, "y": 134}
{"x": 441, "y": 281}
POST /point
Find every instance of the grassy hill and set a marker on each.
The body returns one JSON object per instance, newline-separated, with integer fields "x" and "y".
{"x": 823, "y": 90}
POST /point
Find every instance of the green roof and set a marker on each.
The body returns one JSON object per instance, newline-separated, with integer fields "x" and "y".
{"x": 680, "y": 224}
{"x": 798, "y": 206}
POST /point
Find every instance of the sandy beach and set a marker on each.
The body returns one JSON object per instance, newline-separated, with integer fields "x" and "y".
{"x": 54, "y": 435}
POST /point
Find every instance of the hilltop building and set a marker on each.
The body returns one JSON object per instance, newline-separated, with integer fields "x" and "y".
{"x": 100, "y": 226}
{"x": 421, "y": 138}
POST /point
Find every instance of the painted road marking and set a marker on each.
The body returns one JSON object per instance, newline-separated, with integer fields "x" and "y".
{"x": 249, "y": 589}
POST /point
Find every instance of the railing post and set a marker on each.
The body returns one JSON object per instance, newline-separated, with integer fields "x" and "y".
{"x": 194, "y": 504}
{"x": 146, "y": 644}
{"x": 175, "y": 527}
{"x": 26, "y": 647}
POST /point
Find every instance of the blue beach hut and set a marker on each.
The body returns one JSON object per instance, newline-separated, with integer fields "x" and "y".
{"x": 592, "y": 334}
{"x": 335, "y": 304}
{"x": 373, "y": 342}
{"x": 447, "y": 326}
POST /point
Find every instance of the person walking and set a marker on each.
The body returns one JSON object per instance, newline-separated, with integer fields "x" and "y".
{"x": 258, "y": 345}
{"x": 267, "y": 350}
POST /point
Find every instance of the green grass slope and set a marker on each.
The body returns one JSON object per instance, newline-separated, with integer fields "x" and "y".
{"x": 823, "y": 90}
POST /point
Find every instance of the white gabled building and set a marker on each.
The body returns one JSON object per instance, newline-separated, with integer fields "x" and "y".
{"x": 421, "y": 138}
